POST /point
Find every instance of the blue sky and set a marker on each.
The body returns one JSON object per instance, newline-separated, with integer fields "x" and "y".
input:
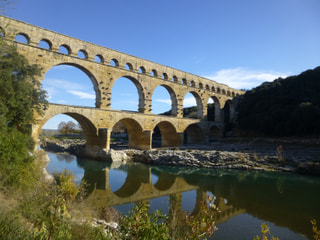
{"x": 240, "y": 43}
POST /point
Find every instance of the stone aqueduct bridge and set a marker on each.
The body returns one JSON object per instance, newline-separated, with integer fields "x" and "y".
{"x": 104, "y": 66}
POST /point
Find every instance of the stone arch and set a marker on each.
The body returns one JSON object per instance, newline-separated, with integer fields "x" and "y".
{"x": 142, "y": 70}
{"x": 154, "y": 73}
{"x": 65, "y": 47}
{"x": 136, "y": 136}
{"x": 141, "y": 95}
{"x": 174, "y": 79}
{"x": 207, "y": 87}
{"x": 214, "y": 133}
{"x": 200, "y": 85}
{"x": 165, "y": 76}
{"x": 213, "y": 89}
{"x": 45, "y": 41}
{"x": 184, "y": 81}
{"x": 173, "y": 98}
{"x": 169, "y": 136}
{"x": 90, "y": 76}
{"x": 89, "y": 129}
{"x": 99, "y": 58}
{"x": 114, "y": 62}
{"x": 82, "y": 54}
{"x": 194, "y": 135}
{"x": 129, "y": 66}
{"x": 24, "y": 38}
{"x": 192, "y": 83}
{"x": 198, "y": 104}
{"x": 214, "y": 113}
{"x": 2, "y": 32}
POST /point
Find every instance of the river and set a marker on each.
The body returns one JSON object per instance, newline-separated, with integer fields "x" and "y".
{"x": 246, "y": 199}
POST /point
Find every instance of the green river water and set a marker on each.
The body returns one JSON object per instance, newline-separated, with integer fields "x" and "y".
{"x": 246, "y": 199}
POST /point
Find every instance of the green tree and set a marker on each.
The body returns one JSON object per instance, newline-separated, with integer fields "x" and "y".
{"x": 20, "y": 98}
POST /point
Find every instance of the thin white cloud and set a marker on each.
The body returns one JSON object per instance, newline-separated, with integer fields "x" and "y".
{"x": 54, "y": 83}
{"x": 241, "y": 78}
{"x": 189, "y": 102}
{"x": 83, "y": 95}
{"x": 166, "y": 101}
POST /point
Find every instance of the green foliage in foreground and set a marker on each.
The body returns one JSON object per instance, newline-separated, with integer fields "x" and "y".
{"x": 20, "y": 98}
{"x": 284, "y": 107}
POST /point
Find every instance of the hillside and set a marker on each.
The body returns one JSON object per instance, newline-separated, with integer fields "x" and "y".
{"x": 284, "y": 107}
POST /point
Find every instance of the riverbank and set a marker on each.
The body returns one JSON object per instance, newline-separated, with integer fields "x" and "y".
{"x": 286, "y": 155}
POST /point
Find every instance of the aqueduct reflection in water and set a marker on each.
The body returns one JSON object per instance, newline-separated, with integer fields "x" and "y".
{"x": 235, "y": 192}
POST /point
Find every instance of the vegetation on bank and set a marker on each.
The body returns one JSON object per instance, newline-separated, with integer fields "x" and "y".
{"x": 284, "y": 107}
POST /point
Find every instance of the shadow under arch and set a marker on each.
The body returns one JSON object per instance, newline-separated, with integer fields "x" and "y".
{"x": 173, "y": 98}
{"x": 89, "y": 75}
{"x": 169, "y": 136}
{"x": 139, "y": 88}
{"x": 194, "y": 135}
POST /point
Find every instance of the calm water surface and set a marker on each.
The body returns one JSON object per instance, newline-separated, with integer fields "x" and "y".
{"x": 286, "y": 202}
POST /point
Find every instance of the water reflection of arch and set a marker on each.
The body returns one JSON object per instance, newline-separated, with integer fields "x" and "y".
{"x": 136, "y": 176}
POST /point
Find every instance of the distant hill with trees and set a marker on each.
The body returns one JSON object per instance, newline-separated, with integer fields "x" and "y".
{"x": 284, "y": 107}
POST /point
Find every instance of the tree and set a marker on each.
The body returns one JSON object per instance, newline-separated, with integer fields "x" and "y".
{"x": 67, "y": 128}
{"x": 20, "y": 92}
{"x": 20, "y": 97}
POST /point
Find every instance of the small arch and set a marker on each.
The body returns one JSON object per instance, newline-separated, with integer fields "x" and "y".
{"x": 165, "y": 76}
{"x": 45, "y": 44}
{"x": 114, "y": 62}
{"x": 213, "y": 89}
{"x": 82, "y": 54}
{"x": 174, "y": 79}
{"x": 154, "y": 73}
{"x": 232, "y": 94}
{"x": 2, "y": 32}
{"x": 228, "y": 93}
{"x": 129, "y": 66}
{"x": 192, "y": 83}
{"x": 184, "y": 81}
{"x": 22, "y": 38}
{"x": 207, "y": 87}
{"x": 200, "y": 85}
{"x": 223, "y": 92}
{"x": 65, "y": 49}
{"x": 218, "y": 90}
{"x": 142, "y": 70}
{"x": 99, "y": 58}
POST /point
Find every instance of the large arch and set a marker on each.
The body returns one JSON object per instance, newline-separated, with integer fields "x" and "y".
{"x": 214, "y": 110}
{"x": 199, "y": 112}
{"x": 89, "y": 74}
{"x": 90, "y": 131}
{"x": 173, "y": 98}
{"x": 137, "y": 84}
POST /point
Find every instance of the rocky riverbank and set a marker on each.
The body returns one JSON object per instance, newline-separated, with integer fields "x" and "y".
{"x": 254, "y": 154}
